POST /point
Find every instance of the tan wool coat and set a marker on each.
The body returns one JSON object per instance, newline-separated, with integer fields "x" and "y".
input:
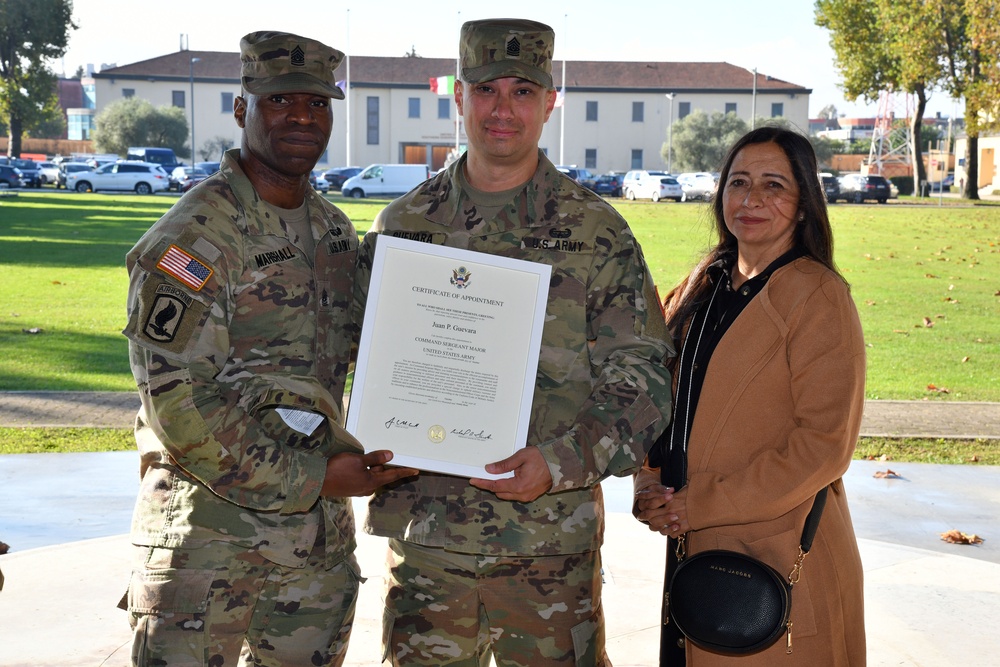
{"x": 777, "y": 420}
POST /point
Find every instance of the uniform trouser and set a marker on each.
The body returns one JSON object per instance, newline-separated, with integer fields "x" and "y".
{"x": 203, "y": 606}
{"x": 448, "y": 608}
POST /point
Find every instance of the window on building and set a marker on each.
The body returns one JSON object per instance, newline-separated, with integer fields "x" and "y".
{"x": 178, "y": 99}
{"x": 638, "y": 110}
{"x": 592, "y": 110}
{"x": 777, "y": 109}
{"x": 127, "y": 92}
{"x": 683, "y": 109}
{"x": 636, "y": 158}
{"x": 227, "y": 102}
{"x": 444, "y": 108}
{"x": 590, "y": 158}
{"x": 414, "y": 107}
{"x": 372, "y": 121}
{"x": 730, "y": 107}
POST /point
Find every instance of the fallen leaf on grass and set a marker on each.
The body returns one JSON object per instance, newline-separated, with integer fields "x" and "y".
{"x": 940, "y": 390}
{"x": 56, "y": 282}
{"x": 869, "y": 302}
{"x": 929, "y": 275}
{"x": 881, "y": 457}
{"x": 928, "y": 322}
{"x": 887, "y": 474}
{"x": 973, "y": 459}
{"x": 32, "y": 330}
{"x": 964, "y": 359}
{"x": 958, "y": 537}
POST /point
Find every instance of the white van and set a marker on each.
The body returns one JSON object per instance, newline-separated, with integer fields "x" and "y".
{"x": 385, "y": 180}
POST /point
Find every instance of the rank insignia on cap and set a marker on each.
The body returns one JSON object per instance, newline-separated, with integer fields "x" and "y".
{"x": 298, "y": 57}
{"x": 184, "y": 267}
{"x": 513, "y": 48}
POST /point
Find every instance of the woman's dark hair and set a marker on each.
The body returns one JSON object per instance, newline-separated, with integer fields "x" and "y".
{"x": 813, "y": 234}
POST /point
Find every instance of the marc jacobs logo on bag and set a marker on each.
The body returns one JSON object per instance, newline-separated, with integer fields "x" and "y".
{"x": 731, "y": 570}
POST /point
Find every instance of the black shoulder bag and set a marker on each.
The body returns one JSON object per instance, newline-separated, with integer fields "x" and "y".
{"x": 728, "y": 602}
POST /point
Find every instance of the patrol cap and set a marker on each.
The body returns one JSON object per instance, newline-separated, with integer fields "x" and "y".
{"x": 495, "y": 48}
{"x": 280, "y": 62}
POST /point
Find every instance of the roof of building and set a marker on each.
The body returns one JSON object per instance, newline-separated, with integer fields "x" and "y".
{"x": 368, "y": 71}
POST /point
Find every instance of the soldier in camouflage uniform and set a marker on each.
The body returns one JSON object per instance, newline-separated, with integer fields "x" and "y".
{"x": 511, "y": 567}
{"x": 239, "y": 339}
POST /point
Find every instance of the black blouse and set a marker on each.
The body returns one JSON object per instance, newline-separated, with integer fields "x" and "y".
{"x": 708, "y": 325}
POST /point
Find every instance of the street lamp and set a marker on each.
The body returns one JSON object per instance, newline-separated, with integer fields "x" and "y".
{"x": 191, "y": 78}
{"x": 670, "y": 133}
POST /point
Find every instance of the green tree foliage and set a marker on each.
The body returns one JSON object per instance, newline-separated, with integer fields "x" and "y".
{"x": 919, "y": 46}
{"x": 213, "y": 149}
{"x": 132, "y": 121}
{"x": 51, "y": 123}
{"x": 700, "y": 141}
{"x": 31, "y": 33}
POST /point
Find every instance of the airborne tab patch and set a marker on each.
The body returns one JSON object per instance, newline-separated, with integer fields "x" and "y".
{"x": 184, "y": 267}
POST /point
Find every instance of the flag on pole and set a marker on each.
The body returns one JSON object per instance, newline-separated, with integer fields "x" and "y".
{"x": 443, "y": 85}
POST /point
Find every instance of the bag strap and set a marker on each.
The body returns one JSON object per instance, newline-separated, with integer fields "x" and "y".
{"x": 812, "y": 521}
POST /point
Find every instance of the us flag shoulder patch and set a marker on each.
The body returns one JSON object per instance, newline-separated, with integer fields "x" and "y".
{"x": 184, "y": 267}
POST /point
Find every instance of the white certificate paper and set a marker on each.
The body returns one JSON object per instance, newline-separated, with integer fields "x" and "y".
{"x": 448, "y": 356}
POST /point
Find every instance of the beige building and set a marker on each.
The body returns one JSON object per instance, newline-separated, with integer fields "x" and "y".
{"x": 613, "y": 115}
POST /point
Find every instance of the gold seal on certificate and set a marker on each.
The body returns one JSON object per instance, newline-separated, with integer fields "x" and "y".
{"x": 448, "y": 356}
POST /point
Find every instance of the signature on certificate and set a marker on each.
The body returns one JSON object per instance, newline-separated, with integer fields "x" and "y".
{"x": 471, "y": 434}
{"x": 395, "y": 422}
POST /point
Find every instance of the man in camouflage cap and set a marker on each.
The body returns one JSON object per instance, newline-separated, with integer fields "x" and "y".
{"x": 511, "y": 567}
{"x": 239, "y": 335}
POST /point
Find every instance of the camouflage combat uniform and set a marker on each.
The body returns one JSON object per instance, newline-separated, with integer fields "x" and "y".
{"x": 602, "y": 393}
{"x": 229, "y": 321}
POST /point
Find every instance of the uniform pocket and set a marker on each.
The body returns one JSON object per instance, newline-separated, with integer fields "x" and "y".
{"x": 588, "y": 641}
{"x": 170, "y": 591}
{"x": 388, "y": 623}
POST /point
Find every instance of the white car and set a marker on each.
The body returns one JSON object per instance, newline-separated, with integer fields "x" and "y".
{"x": 142, "y": 177}
{"x": 48, "y": 173}
{"x": 697, "y": 185}
{"x": 655, "y": 185}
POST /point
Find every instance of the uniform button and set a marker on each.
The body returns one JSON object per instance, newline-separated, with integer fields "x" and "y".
{"x": 680, "y": 642}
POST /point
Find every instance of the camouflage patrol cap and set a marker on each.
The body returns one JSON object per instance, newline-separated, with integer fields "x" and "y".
{"x": 495, "y": 48}
{"x": 280, "y": 62}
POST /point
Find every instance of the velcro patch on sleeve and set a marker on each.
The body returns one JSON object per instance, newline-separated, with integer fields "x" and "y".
{"x": 184, "y": 267}
{"x": 167, "y": 318}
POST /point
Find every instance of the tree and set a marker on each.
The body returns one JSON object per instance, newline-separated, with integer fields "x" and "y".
{"x": 132, "y": 121}
{"x": 829, "y": 112}
{"x": 213, "y": 149}
{"x": 51, "y": 123}
{"x": 31, "y": 33}
{"x": 700, "y": 141}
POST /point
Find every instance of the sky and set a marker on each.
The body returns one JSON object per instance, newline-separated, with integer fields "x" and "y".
{"x": 778, "y": 37}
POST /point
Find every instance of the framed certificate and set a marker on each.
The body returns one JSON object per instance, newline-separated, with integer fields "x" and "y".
{"x": 448, "y": 356}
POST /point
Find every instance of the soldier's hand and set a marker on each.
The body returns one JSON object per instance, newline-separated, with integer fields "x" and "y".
{"x": 351, "y": 474}
{"x": 531, "y": 476}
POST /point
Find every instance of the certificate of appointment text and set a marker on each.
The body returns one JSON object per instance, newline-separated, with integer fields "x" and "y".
{"x": 448, "y": 356}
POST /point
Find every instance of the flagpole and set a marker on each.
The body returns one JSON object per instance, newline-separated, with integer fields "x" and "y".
{"x": 458, "y": 75}
{"x": 347, "y": 92}
{"x": 562, "y": 110}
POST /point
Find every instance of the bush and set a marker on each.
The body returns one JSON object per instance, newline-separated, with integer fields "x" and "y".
{"x": 904, "y": 183}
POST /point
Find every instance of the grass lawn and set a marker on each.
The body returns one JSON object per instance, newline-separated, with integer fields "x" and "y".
{"x": 913, "y": 450}
{"x": 926, "y": 280}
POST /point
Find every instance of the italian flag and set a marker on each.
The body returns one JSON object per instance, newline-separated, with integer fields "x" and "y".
{"x": 443, "y": 85}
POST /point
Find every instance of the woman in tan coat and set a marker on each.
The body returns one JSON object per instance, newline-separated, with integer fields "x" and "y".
{"x": 769, "y": 390}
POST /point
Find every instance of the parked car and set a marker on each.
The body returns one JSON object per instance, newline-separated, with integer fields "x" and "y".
{"x": 180, "y": 177}
{"x": 319, "y": 183}
{"x": 655, "y": 185}
{"x": 193, "y": 177}
{"x": 697, "y": 185}
{"x": 831, "y": 187}
{"x": 948, "y": 182}
{"x": 859, "y": 188}
{"x": 582, "y": 176}
{"x": 608, "y": 185}
{"x": 142, "y": 177}
{"x": 10, "y": 177}
{"x": 31, "y": 174}
{"x": 165, "y": 157}
{"x": 208, "y": 167}
{"x": 48, "y": 172}
{"x": 66, "y": 168}
{"x": 387, "y": 180}
{"x": 336, "y": 176}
